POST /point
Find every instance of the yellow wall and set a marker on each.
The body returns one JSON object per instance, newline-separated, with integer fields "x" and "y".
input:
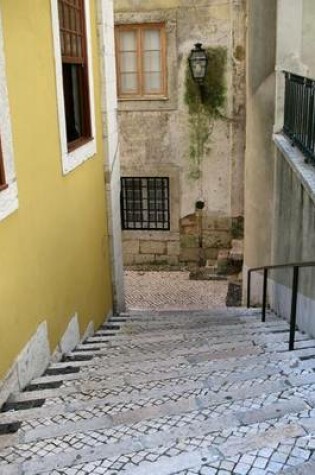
{"x": 54, "y": 250}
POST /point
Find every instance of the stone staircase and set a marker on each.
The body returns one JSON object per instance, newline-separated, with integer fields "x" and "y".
{"x": 187, "y": 393}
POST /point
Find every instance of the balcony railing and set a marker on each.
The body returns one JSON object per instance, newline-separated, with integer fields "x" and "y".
{"x": 299, "y": 113}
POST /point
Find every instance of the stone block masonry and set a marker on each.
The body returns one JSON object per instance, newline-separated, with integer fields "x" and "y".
{"x": 151, "y": 249}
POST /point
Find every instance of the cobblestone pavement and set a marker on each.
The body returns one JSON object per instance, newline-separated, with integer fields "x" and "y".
{"x": 208, "y": 392}
{"x": 172, "y": 290}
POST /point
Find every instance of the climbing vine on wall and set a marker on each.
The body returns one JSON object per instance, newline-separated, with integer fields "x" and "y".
{"x": 203, "y": 111}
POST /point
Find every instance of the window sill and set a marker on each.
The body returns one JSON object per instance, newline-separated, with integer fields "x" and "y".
{"x": 72, "y": 146}
{"x": 4, "y": 187}
{"x": 78, "y": 155}
{"x": 296, "y": 160}
{"x": 142, "y": 99}
{"x": 8, "y": 200}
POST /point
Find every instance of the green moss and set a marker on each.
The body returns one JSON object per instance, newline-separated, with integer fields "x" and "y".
{"x": 238, "y": 227}
{"x": 205, "y": 105}
{"x": 214, "y": 88}
{"x": 239, "y": 53}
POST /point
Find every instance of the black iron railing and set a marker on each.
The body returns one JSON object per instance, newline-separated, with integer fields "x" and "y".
{"x": 295, "y": 287}
{"x": 299, "y": 113}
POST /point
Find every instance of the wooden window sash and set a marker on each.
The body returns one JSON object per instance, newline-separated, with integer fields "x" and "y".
{"x": 3, "y": 184}
{"x": 162, "y": 50}
{"x": 138, "y": 59}
{"x": 76, "y": 36}
{"x": 140, "y": 30}
{"x": 81, "y": 61}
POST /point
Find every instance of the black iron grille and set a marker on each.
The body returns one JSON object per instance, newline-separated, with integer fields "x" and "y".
{"x": 299, "y": 113}
{"x": 145, "y": 203}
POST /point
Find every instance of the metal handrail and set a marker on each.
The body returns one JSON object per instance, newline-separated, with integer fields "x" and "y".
{"x": 299, "y": 113}
{"x": 296, "y": 266}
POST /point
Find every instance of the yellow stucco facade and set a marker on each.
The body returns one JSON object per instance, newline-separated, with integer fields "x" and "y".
{"x": 54, "y": 248}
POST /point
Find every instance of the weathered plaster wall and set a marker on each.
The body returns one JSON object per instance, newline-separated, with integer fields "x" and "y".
{"x": 157, "y": 133}
{"x": 294, "y": 191}
{"x": 259, "y": 161}
{"x": 105, "y": 19}
{"x": 308, "y": 35}
{"x": 280, "y": 186}
{"x": 54, "y": 249}
{"x": 294, "y": 239}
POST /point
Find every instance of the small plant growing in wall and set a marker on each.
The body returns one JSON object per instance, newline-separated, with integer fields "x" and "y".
{"x": 205, "y": 105}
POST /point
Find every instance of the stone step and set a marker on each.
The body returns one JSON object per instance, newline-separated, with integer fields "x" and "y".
{"x": 189, "y": 381}
{"x": 306, "y": 468}
{"x": 149, "y": 315}
{"x": 180, "y": 441}
{"x": 98, "y": 364}
{"x": 216, "y": 330}
{"x": 184, "y": 347}
{"x": 166, "y": 338}
{"x": 169, "y": 393}
{"x": 145, "y": 327}
{"x": 118, "y": 410}
{"x": 119, "y": 348}
{"x": 156, "y": 324}
{"x": 295, "y": 453}
{"x": 178, "y": 369}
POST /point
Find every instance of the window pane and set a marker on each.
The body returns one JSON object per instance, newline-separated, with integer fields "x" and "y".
{"x": 2, "y": 174}
{"x": 66, "y": 20}
{"x": 128, "y": 62}
{"x": 152, "y": 40}
{"x": 129, "y": 82}
{"x": 152, "y": 61}
{"x": 128, "y": 41}
{"x": 73, "y": 100}
{"x": 152, "y": 82}
{"x": 67, "y": 44}
{"x": 71, "y": 19}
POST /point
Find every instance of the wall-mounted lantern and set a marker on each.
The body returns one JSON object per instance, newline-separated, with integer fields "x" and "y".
{"x": 198, "y": 63}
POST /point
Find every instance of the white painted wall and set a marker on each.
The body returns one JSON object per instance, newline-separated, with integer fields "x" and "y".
{"x": 105, "y": 12}
{"x": 8, "y": 197}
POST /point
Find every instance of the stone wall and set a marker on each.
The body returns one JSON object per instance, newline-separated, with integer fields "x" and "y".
{"x": 155, "y": 135}
{"x": 279, "y": 38}
{"x": 293, "y": 233}
{"x": 280, "y": 186}
{"x": 259, "y": 159}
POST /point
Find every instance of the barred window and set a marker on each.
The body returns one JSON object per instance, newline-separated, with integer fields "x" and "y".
{"x": 75, "y": 71}
{"x": 145, "y": 203}
{"x": 141, "y": 60}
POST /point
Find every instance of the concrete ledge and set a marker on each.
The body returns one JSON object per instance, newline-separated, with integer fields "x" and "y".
{"x": 30, "y": 364}
{"x": 280, "y": 300}
{"x": 36, "y": 356}
{"x": 10, "y": 384}
{"x": 295, "y": 158}
{"x": 71, "y": 337}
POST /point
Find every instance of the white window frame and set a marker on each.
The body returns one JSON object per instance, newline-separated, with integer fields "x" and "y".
{"x": 9, "y": 196}
{"x": 71, "y": 160}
